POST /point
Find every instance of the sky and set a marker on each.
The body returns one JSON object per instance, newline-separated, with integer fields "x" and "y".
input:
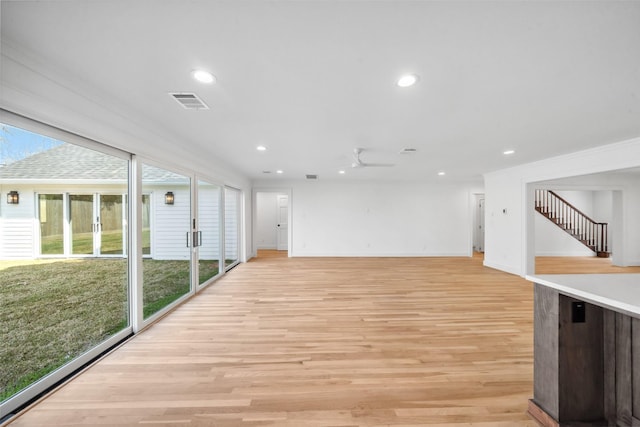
{"x": 16, "y": 144}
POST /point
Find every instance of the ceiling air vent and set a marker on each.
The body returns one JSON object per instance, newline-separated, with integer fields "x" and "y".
{"x": 408, "y": 151}
{"x": 189, "y": 101}
{"x": 312, "y": 176}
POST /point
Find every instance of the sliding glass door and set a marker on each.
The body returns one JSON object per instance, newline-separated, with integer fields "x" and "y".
{"x": 66, "y": 253}
{"x": 232, "y": 205}
{"x": 209, "y": 231}
{"x": 166, "y": 273}
{"x": 61, "y": 306}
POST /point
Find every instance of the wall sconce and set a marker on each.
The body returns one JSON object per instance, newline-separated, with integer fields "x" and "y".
{"x": 13, "y": 198}
{"x": 168, "y": 198}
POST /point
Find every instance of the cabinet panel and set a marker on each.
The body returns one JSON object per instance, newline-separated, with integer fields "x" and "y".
{"x": 635, "y": 367}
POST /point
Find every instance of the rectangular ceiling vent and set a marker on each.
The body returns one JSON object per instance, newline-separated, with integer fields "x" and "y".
{"x": 312, "y": 176}
{"x": 408, "y": 151}
{"x": 189, "y": 101}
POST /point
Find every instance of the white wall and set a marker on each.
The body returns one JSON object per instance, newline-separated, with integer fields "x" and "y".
{"x": 18, "y": 223}
{"x": 353, "y": 218}
{"x": 510, "y": 244}
{"x": 266, "y": 220}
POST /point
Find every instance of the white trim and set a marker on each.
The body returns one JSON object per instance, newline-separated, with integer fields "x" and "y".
{"x": 136, "y": 305}
{"x": 464, "y": 254}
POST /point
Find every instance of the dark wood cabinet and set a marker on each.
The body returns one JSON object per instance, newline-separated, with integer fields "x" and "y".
{"x": 586, "y": 363}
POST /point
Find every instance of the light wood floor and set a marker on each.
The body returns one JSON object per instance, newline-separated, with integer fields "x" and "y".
{"x": 321, "y": 342}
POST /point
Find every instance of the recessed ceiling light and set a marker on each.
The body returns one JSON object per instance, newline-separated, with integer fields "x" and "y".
{"x": 407, "y": 80}
{"x": 261, "y": 148}
{"x": 279, "y": 171}
{"x": 266, "y": 171}
{"x": 508, "y": 152}
{"x": 203, "y": 76}
{"x": 341, "y": 172}
{"x": 441, "y": 173}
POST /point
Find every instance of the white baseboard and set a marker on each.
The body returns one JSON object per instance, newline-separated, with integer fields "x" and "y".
{"x": 567, "y": 253}
{"x": 379, "y": 255}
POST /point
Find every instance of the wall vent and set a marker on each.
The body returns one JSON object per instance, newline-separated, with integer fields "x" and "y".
{"x": 189, "y": 101}
{"x": 312, "y": 176}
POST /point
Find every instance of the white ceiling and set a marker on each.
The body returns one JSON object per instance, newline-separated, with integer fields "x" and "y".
{"x": 311, "y": 80}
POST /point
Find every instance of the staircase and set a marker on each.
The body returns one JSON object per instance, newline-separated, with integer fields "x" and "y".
{"x": 582, "y": 228}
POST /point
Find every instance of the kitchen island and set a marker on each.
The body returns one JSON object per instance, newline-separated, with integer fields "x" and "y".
{"x": 586, "y": 345}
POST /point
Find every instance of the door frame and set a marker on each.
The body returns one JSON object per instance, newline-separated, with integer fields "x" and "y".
{"x": 254, "y": 217}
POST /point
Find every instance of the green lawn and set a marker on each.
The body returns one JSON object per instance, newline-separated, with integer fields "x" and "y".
{"x": 83, "y": 243}
{"x": 53, "y": 311}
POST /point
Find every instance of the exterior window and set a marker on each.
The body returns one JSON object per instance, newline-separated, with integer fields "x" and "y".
{"x": 63, "y": 278}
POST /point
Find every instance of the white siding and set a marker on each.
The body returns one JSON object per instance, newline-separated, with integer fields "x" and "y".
{"x": 170, "y": 224}
{"x": 17, "y": 224}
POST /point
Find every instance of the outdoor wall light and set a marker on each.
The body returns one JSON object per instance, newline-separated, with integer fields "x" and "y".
{"x": 13, "y": 198}
{"x": 168, "y": 198}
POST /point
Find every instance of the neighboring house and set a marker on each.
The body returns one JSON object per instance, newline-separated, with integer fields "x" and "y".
{"x": 73, "y": 203}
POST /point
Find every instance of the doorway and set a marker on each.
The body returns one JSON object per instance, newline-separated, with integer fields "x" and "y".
{"x": 272, "y": 227}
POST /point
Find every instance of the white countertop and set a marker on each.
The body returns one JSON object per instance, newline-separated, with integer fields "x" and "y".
{"x": 618, "y": 292}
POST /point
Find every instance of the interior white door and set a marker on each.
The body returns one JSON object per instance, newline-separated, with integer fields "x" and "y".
{"x": 480, "y": 242}
{"x": 282, "y": 239}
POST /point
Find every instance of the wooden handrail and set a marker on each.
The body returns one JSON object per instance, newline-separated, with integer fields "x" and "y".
{"x": 574, "y": 208}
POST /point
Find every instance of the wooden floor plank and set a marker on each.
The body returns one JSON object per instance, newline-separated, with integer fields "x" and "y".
{"x": 340, "y": 342}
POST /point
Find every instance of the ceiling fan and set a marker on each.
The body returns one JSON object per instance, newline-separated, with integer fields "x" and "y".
{"x": 358, "y": 163}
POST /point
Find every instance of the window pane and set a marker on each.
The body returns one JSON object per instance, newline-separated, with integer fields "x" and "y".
{"x": 112, "y": 237}
{"x": 209, "y": 227}
{"x": 81, "y": 219}
{"x": 54, "y": 309}
{"x": 146, "y": 224}
{"x": 231, "y": 225}
{"x": 51, "y": 224}
{"x": 167, "y": 272}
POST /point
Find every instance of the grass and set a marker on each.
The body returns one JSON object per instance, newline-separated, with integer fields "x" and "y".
{"x": 111, "y": 243}
{"x": 53, "y": 311}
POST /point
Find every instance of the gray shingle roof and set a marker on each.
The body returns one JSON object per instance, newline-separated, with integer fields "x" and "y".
{"x": 68, "y": 161}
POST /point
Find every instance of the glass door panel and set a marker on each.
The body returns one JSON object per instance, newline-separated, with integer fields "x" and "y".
{"x": 231, "y": 226}
{"x": 146, "y": 224}
{"x": 82, "y": 225}
{"x": 111, "y": 226}
{"x": 209, "y": 196}
{"x": 167, "y": 273}
{"x": 55, "y": 311}
{"x": 51, "y": 218}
